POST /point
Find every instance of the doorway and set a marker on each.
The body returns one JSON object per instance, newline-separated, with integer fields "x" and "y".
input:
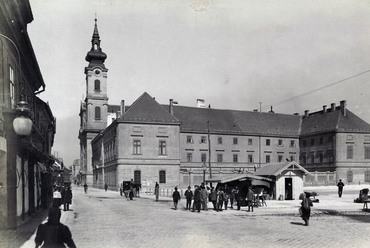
{"x": 288, "y": 189}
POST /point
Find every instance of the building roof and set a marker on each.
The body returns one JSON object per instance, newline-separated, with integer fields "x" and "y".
{"x": 334, "y": 121}
{"x": 195, "y": 119}
{"x": 146, "y": 109}
{"x": 275, "y": 169}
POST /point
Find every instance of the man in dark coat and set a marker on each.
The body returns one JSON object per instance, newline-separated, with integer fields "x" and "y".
{"x": 66, "y": 198}
{"x": 340, "y": 187}
{"x": 189, "y": 196}
{"x": 197, "y": 199}
{"x": 250, "y": 199}
{"x": 176, "y": 197}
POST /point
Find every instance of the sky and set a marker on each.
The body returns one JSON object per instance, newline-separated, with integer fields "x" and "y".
{"x": 241, "y": 55}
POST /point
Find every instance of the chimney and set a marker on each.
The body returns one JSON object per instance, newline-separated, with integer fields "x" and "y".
{"x": 171, "y": 106}
{"x": 332, "y": 107}
{"x": 323, "y": 109}
{"x": 122, "y": 107}
{"x": 305, "y": 113}
{"x": 343, "y": 107}
{"x": 200, "y": 103}
{"x": 118, "y": 114}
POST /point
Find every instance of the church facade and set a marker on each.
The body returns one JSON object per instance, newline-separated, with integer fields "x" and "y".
{"x": 178, "y": 145}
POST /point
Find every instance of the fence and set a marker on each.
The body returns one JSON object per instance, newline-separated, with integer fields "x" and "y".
{"x": 320, "y": 178}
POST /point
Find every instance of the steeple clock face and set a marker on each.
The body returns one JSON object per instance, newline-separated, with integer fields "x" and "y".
{"x": 97, "y": 72}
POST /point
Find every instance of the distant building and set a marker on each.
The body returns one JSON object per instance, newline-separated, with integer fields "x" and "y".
{"x": 180, "y": 145}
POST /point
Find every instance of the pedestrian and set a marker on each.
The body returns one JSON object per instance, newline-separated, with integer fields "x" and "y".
{"x": 57, "y": 198}
{"x": 53, "y": 233}
{"x": 305, "y": 209}
{"x": 250, "y": 199}
{"x": 197, "y": 199}
{"x": 213, "y": 198}
{"x": 189, "y": 196}
{"x": 176, "y": 198}
{"x": 238, "y": 197}
{"x": 85, "y": 187}
{"x": 204, "y": 197}
{"x": 66, "y": 198}
{"x": 340, "y": 187}
{"x": 220, "y": 199}
{"x": 156, "y": 191}
{"x": 106, "y": 186}
{"x": 227, "y": 196}
{"x": 232, "y": 197}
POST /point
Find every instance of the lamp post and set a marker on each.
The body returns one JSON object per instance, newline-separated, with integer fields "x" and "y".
{"x": 204, "y": 167}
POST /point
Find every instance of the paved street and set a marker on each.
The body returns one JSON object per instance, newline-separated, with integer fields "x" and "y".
{"x": 105, "y": 219}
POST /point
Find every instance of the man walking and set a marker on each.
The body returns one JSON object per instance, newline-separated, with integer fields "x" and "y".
{"x": 189, "y": 196}
{"x": 176, "y": 197}
{"x": 250, "y": 199}
{"x": 204, "y": 197}
{"x": 340, "y": 187}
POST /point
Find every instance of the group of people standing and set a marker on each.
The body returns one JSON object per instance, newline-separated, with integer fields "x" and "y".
{"x": 220, "y": 198}
{"x": 62, "y": 195}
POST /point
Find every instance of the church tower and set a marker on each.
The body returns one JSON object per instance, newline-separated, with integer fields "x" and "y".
{"x": 94, "y": 109}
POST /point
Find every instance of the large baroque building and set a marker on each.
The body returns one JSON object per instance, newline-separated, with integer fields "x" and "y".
{"x": 25, "y": 161}
{"x": 181, "y": 145}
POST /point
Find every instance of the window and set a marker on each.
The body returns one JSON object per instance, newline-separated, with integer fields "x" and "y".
{"x": 349, "y": 152}
{"x": 312, "y": 158}
{"x": 235, "y": 141}
{"x": 162, "y": 176}
{"x": 137, "y": 147}
{"x": 162, "y": 147}
{"x": 280, "y": 158}
{"x": 350, "y": 176}
{"x": 367, "y": 152}
{"x": 292, "y": 143}
{"x": 97, "y": 113}
{"x": 367, "y": 176}
{"x": 267, "y": 159}
{"x": 219, "y": 158}
{"x": 280, "y": 142}
{"x": 250, "y": 158}
{"x": 203, "y": 158}
{"x": 235, "y": 158}
{"x": 137, "y": 176}
{"x": 304, "y": 143}
{"x": 11, "y": 87}
{"x": 189, "y": 157}
{"x": 292, "y": 157}
{"x": 321, "y": 157}
{"x": 189, "y": 139}
{"x": 203, "y": 140}
{"x": 97, "y": 85}
{"x": 321, "y": 141}
{"x": 268, "y": 141}
{"x": 312, "y": 142}
{"x": 330, "y": 139}
{"x": 304, "y": 158}
{"x": 219, "y": 140}
{"x": 250, "y": 142}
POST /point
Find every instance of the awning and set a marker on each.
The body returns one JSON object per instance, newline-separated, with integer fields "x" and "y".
{"x": 239, "y": 177}
{"x": 56, "y": 166}
{"x": 256, "y": 182}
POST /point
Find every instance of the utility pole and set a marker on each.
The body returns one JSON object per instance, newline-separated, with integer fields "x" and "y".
{"x": 209, "y": 149}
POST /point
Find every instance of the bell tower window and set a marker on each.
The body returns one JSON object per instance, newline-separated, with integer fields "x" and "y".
{"x": 97, "y": 85}
{"x": 97, "y": 113}
{"x": 95, "y": 47}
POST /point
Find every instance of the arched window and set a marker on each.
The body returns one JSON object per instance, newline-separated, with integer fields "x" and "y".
{"x": 97, "y": 85}
{"x": 97, "y": 113}
{"x": 162, "y": 176}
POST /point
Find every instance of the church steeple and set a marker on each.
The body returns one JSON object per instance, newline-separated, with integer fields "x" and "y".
{"x": 95, "y": 56}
